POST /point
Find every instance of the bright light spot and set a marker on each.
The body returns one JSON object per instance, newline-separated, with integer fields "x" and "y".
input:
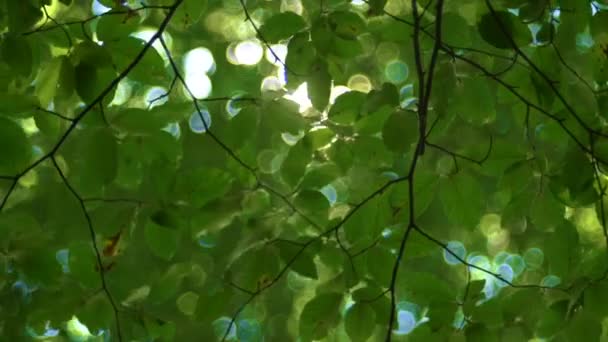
{"x": 407, "y": 91}
{"x": 360, "y": 83}
{"x": 459, "y": 319}
{"x": 489, "y": 224}
{"x": 137, "y": 295}
{"x": 231, "y": 54}
{"x": 199, "y": 85}
{"x": 269, "y": 161}
{"x": 550, "y": 281}
{"x": 337, "y": 91}
{"x": 396, "y": 71}
{"x": 206, "y": 241}
{"x": 62, "y": 256}
{"x": 29, "y": 126}
{"x": 77, "y": 331}
{"x": 517, "y": 263}
{"x": 156, "y": 96}
{"x": 173, "y": 129}
{"x": 406, "y": 322}
{"x": 122, "y": 93}
{"x": 500, "y": 258}
{"x": 187, "y": 303}
{"x": 248, "y": 52}
{"x": 390, "y": 175}
{"x": 294, "y": 6}
{"x": 506, "y": 272}
{"x": 481, "y": 261}
{"x": 196, "y": 123}
{"x": 234, "y": 105}
{"x": 357, "y": 2}
{"x": 271, "y": 83}
{"x": 98, "y": 9}
{"x": 199, "y": 60}
{"x": 220, "y": 326}
{"x": 330, "y": 193}
{"x": 457, "y": 248}
{"x": 291, "y": 139}
{"x": 386, "y": 233}
{"x": 280, "y": 50}
{"x": 387, "y": 51}
{"x": 534, "y": 258}
{"x": 300, "y": 96}
{"x": 36, "y": 151}
{"x": 498, "y": 240}
{"x": 489, "y": 289}
{"x": 147, "y": 34}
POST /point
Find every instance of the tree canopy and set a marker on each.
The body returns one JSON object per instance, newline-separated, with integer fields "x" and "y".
{"x": 299, "y": 170}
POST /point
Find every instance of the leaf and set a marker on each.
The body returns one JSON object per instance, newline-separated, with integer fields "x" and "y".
{"x": 46, "y": 82}
{"x": 303, "y": 264}
{"x": 17, "y": 150}
{"x": 100, "y": 160}
{"x": 17, "y": 53}
{"x": 300, "y": 55}
{"x": 161, "y": 241}
{"x": 188, "y": 13}
{"x": 21, "y": 15}
{"x": 346, "y": 24}
{"x": 376, "y": 7}
{"x": 150, "y": 69}
{"x": 347, "y": 107}
{"x": 116, "y": 27}
{"x": 359, "y": 322}
{"x": 281, "y": 26}
{"x": 462, "y": 199}
{"x": 479, "y": 112}
{"x": 319, "y": 85}
{"x": 139, "y": 121}
{"x": 400, "y": 131}
{"x": 294, "y": 165}
{"x": 319, "y": 315}
{"x": 501, "y": 28}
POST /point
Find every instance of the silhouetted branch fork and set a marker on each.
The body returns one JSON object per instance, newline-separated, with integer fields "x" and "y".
{"x": 57, "y": 25}
{"x": 61, "y": 116}
{"x": 463, "y": 157}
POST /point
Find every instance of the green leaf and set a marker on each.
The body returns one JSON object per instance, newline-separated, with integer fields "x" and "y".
{"x": 359, "y": 322}
{"x": 501, "y": 29}
{"x": 281, "y": 26}
{"x": 100, "y": 160}
{"x": 162, "y": 241}
{"x": 479, "y": 112}
{"x": 139, "y": 121}
{"x": 150, "y": 69}
{"x": 46, "y": 82}
{"x": 17, "y": 150}
{"x": 82, "y": 264}
{"x": 346, "y": 24}
{"x": 21, "y": 15}
{"x": 400, "y": 131}
{"x": 300, "y": 55}
{"x": 319, "y": 85}
{"x": 17, "y": 53}
{"x": 320, "y": 315}
{"x": 188, "y": 13}
{"x": 347, "y": 107}
{"x": 462, "y": 199}
{"x": 303, "y": 264}
{"x": 116, "y": 27}
{"x": 298, "y": 157}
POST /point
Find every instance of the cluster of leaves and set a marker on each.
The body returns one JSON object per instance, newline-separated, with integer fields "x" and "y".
{"x": 480, "y": 126}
